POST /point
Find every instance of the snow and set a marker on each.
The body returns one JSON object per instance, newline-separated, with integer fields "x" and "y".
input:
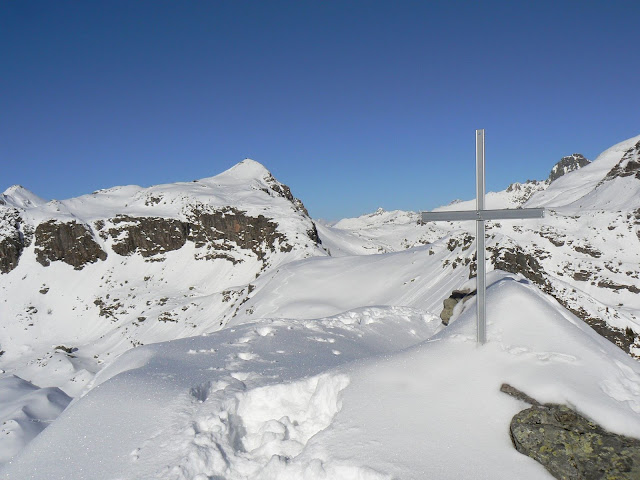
{"x": 20, "y": 197}
{"x": 572, "y": 187}
{"x": 274, "y": 399}
{"x": 24, "y": 412}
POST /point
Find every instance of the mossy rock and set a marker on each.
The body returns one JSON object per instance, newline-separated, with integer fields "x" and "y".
{"x": 571, "y": 447}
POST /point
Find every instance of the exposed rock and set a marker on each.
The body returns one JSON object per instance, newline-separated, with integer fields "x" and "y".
{"x": 450, "y": 303}
{"x": 11, "y": 241}
{"x": 221, "y": 230}
{"x": 554, "y": 237}
{"x": 629, "y": 165}
{"x": 70, "y": 242}
{"x": 582, "y": 275}
{"x": 623, "y": 338}
{"x": 571, "y": 447}
{"x": 568, "y": 164}
{"x": 617, "y": 286}
{"x": 463, "y": 241}
{"x": 589, "y": 250}
{"x": 518, "y": 394}
{"x": 515, "y": 260}
{"x": 283, "y": 191}
{"x": 524, "y": 191}
{"x": 147, "y": 235}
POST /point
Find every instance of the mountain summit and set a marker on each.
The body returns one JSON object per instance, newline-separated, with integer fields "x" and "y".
{"x": 568, "y": 164}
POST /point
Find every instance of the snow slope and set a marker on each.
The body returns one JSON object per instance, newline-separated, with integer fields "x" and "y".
{"x": 359, "y": 396}
{"x": 578, "y": 188}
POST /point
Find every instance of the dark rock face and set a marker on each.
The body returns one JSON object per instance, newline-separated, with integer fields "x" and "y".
{"x": 515, "y": 260}
{"x": 629, "y": 164}
{"x": 571, "y": 447}
{"x": 147, "y": 235}
{"x": 221, "y": 230}
{"x": 11, "y": 241}
{"x": 568, "y": 164}
{"x": 283, "y": 191}
{"x": 70, "y": 242}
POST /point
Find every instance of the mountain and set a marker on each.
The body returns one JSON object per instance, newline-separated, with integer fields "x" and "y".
{"x": 567, "y": 164}
{"x": 84, "y": 280}
{"x": 19, "y": 197}
{"x": 599, "y": 185}
{"x": 211, "y": 329}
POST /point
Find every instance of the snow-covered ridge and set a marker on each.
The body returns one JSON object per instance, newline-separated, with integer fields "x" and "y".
{"x": 339, "y": 397}
{"x": 19, "y": 197}
{"x": 242, "y": 186}
{"x": 579, "y": 189}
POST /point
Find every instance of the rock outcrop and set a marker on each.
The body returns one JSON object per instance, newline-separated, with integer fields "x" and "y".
{"x": 70, "y": 242}
{"x": 146, "y": 235}
{"x": 221, "y": 230}
{"x": 570, "y": 446}
{"x": 454, "y": 299}
{"x": 11, "y": 240}
{"x": 629, "y": 165}
{"x": 568, "y": 164}
{"x": 515, "y": 260}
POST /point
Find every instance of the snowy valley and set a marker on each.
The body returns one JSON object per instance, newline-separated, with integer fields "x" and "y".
{"x": 212, "y": 329}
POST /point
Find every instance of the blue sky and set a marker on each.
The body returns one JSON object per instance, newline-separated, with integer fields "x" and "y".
{"x": 354, "y": 104}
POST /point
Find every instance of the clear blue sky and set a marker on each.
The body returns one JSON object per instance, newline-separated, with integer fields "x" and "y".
{"x": 354, "y": 104}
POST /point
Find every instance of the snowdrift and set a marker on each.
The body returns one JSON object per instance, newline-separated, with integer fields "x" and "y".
{"x": 372, "y": 394}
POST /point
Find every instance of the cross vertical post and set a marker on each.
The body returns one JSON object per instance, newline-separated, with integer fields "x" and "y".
{"x": 481, "y": 289}
{"x": 480, "y": 215}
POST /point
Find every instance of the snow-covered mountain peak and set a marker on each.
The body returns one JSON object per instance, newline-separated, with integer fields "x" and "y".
{"x": 20, "y": 197}
{"x": 245, "y": 171}
{"x": 583, "y": 188}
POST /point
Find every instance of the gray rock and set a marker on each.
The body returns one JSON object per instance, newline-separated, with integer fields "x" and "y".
{"x": 222, "y": 230}
{"x": 568, "y": 164}
{"x": 629, "y": 165}
{"x": 450, "y": 303}
{"x": 571, "y": 447}
{"x": 516, "y": 260}
{"x": 70, "y": 242}
{"x": 147, "y": 235}
{"x": 518, "y": 394}
{"x": 11, "y": 242}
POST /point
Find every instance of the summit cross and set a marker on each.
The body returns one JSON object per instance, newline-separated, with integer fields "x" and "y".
{"x": 481, "y": 215}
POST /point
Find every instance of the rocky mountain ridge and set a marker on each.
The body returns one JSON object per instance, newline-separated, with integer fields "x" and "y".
{"x": 125, "y": 266}
{"x": 568, "y": 164}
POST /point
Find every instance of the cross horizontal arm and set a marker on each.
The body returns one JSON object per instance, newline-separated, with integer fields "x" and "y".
{"x": 503, "y": 214}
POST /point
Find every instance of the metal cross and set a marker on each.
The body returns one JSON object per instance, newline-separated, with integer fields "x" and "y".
{"x": 480, "y": 215}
